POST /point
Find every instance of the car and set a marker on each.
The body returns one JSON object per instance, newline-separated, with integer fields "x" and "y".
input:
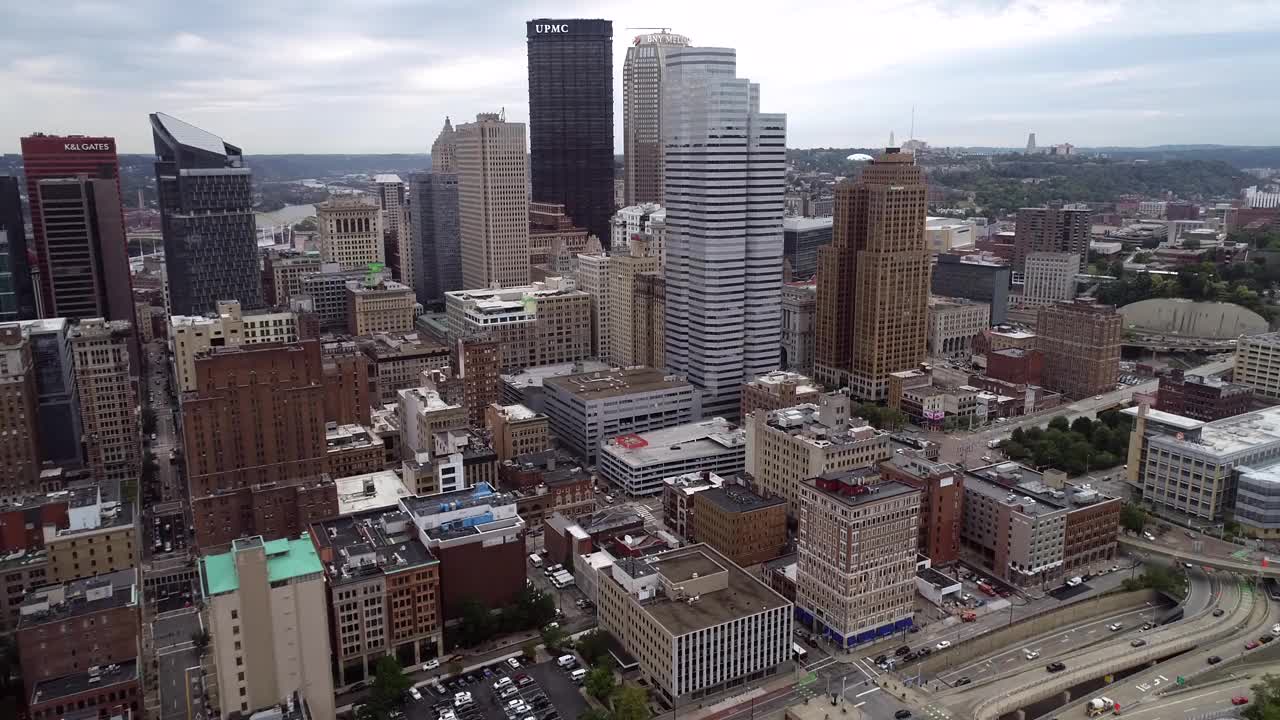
{"x": 513, "y": 663}
{"x": 523, "y": 680}
{"x": 1239, "y": 700}
{"x": 1187, "y": 565}
{"x": 1030, "y": 654}
{"x": 1097, "y": 397}
{"x": 902, "y": 714}
{"x": 1252, "y": 645}
{"x": 1138, "y": 643}
{"x": 881, "y": 658}
{"x": 1054, "y": 667}
{"x": 1190, "y": 534}
{"x": 1214, "y": 660}
{"x": 914, "y": 629}
{"x": 1115, "y": 627}
{"x": 1115, "y": 568}
{"x": 430, "y": 665}
{"x": 471, "y": 678}
{"x": 942, "y": 645}
{"x": 501, "y": 683}
{"x": 1146, "y": 626}
{"x": 1264, "y": 639}
{"x": 925, "y": 651}
{"x": 608, "y": 499}
{"x": 414, "y": 694}
{"x": 1219, "y": 612}
{"x": 509, "y": 692}
{"x": 357, "y": 687}
{"x": 961, "y": 681}
{"x": 902, "y": 651}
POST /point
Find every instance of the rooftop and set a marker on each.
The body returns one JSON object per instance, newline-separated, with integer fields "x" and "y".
{"x": 694, "y": 482}
{"x": 482, "y": 509}
{"x": 286, "y": 559}
{"x": 536, "y": 376}
{"x": 935, "y": 578}
{"x": 382, "y": 286}
{"x": 596, "y": 385}
{"x": 608, "y": 519}
{"x": 774, "y": 381}
{"x": 391, "y": 346}
{"x": 349, "y": 437}
{"x": 857, "y": 487}
{"x": 387, "y": 178}
{"x": 491, "y": 299}
{"x": 517, "y": 413}
{"x": 360, "y": 493}
{"x": 1234, "y": 434}
{"x": 1168, "y": 419}
{"x": 47, "y": 691}
{"x": 1018, "y": 485}
{"x": 688, "y": 441}
{"x": 808, "y": 423}
{"x": 741, "y": 595}
{"x": 55, "y": 603}
{"x": 802, "y": 224}
{"x": 377, "y": 542}
{"x": 738, "y": 499}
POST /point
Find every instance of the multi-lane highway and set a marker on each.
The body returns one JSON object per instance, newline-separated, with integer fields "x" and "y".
{"x": 1243, "y": 567}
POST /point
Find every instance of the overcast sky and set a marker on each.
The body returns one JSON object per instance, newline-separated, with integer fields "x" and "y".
{"x": 278, "y": 76}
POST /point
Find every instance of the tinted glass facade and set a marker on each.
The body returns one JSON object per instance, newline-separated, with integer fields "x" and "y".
{"x": 206, "y": 206}
{"x": 571, "y": 119}
{"x": 17, "y": 301}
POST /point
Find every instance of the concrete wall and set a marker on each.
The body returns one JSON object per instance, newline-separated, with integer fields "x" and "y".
{"x": 1192, "y": 319}
{"x": 1029, "y": 627}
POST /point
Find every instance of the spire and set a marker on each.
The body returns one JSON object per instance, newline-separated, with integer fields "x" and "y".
{"x": 891, "y": 142}
{"x": 448, "y": 126}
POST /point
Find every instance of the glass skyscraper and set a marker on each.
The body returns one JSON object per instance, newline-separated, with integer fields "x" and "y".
{"x": 571, "y": 119}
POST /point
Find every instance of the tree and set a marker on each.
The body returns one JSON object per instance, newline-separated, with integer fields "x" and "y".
{"x": 530, "y": 650}
{"x": 1265, "y": 703}
{"x": 477, "y": 624}
{"x": 1018, "y": 435}
{"x": 553, "y": 637}
{"x": 386, "y": 693}
{"x": 630, "y": 703}
{"x": 1133, "y": 518}
{"x": 1083, "y": 425}
{"x": 306, "y": 225}
{"x": 600, "y": 683}
{"x": 592, "y": 713}
{"x": 1059, "y": 423}
{"x": 593, "y": 646}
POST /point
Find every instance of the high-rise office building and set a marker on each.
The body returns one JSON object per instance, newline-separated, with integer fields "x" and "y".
{"x": 433, "y": 219}
{"x": 725, "y": 171}
{"x": 206, "y": 212}
{"x": 350, "y": 232}
{"x": 493, "y": 203}
{"x": 1081, "y": 346}
{"x": 974, "y": 278}
{"x": 571, "y": 118}
{"x": 401, "y": 254}
{"x": 873, "y": 279}
{"x": 1050, "y": 277}
{"x": 642, "y": 74}
{"x": 20, "y": 452}
{"x": 56, "y": 156}
{"x": 1050, "y": 229}
{"x": 86, "y": 263}
{"x": 625, "y": 346}
{"x": 112, "y": 434}
{"x": 592, "y": 278}
{"x": 443, "y": 149}
{"x": 17, "y": 294}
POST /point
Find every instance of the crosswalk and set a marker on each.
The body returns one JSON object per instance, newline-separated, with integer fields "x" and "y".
{"x": 867, "y": 667}
{"x": 647, "y": 515}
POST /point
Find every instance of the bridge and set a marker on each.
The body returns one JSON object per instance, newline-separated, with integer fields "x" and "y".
{"x": 1219, "y": 563}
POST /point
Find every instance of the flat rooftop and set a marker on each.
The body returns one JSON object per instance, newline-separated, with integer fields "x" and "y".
{"x": 390, "y": 346}
{"x": 357, "y": 547}
{"x": 370, "y": 491}
{"x": 877, "y": 490}
{"x": 87, "y": 596}
{"x": 935, "y": 578}
{"x": 802, "y": 224}
{"x": 517, "y": 413}
{"x": 744, "y": 595}
{"x": 1168, "y": 419}
{"x": 350, "y": 437}
{"x": 1235, "y": 434}
{"x": 688, "y": 441}
{"x": 616, "y": 382}
{"x": 738, "y": 499}
{"x": 117, "y": 674}
{"x": 776, "y": 379}
{"x": 286, "y": 559}
{"x": 536, "y": 376}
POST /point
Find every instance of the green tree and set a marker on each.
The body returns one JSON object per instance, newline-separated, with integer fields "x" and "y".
{"x": 1083, "y": 426}
{"x": 306, "y": 225}
{"x": 1059, "y": 423}
{"x": 1015, "y": 450}
{"x": 630, "y": 702}
{"x": 1133, "y": 518}
{"x": 593, "y": 646}
{"x": 554, "y": 637}
{"x": 592, "y": 713}
{"x": 477, "y": 624}
{"x": 600, "y": 683}
{"x": 530, "y": 650}
{"x": 1018, "y": 435}
{"x": 1265, "y": 703}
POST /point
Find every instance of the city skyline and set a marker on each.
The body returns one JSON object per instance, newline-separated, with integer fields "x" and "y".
{"x": 1081, "y": 72}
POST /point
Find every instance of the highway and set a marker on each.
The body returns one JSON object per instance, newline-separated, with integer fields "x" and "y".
{"x": 991, "y": 698}
{"x": 1221, "y": 563}
{"x": 1192, "y": 703}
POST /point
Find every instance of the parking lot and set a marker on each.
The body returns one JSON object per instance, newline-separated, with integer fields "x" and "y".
{"x": 543, "y": 691}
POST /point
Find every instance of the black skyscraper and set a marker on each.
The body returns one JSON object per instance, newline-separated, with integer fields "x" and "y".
{"x": 206, "y": 207}
{"x": 571, "y": 119}
{"x": 17, "y": 295}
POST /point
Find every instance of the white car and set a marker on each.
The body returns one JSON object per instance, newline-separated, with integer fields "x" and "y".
{"x": 1115, "y": 627}
{"x": 513, "y": 663}
{"x": 462, "y": 699}
{"x": 1030, "y": 654}
{"x": 413, "y": 693}
{"x": 942, "y": 645}
{"x": 430, "y": 665}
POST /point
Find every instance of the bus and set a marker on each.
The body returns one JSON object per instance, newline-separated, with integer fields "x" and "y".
{"x": 798, "y": 653}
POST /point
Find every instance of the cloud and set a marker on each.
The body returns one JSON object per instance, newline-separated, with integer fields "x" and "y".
{"x": 380, "y": 75}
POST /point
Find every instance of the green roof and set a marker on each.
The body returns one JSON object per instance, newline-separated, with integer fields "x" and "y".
{"x": 286, "y": 559}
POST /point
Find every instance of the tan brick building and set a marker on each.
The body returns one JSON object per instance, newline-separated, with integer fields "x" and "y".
{"x": 539, "y": 324}
{"x": 551, "y": 228}
{"x": 383, "y": 307}
{"x": 1081, "y": 346}
{"x": 350, "y": 232}
{"x": 626, "y": 346}
{"x": 399, "y": 359}
{"x": 493, "y": 202}
{"x": 108, "y": 403}
{"x": 101, "y": 538}
{"x": 739, "y": 524}
{"x": 776, "y": 390}
{"x": 873, "y": 279}
{"x": 20, "y": 453}
{"x": 516, "y": 430}
{"x": 352, "y": 450}
{"x": 650, "y": 321}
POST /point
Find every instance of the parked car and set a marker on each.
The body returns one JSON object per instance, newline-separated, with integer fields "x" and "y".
{"x": 414, "y": 694}
{"x": 902, "y": 651}
{"x": 942, "y": 645}
{"x": 1264, "y": 639}
{"x": 430, "y": 665}
{"x": 1054, "y": 667}
{"x": 513, "y": 663}
{"x": 523, "y": 680}
{"x": 1239, "y": 700}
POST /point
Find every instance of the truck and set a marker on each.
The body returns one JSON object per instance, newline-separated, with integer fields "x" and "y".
{"x": 995, "y": 443}
{"x": 1099, "y": 706}
{"x": 968, "y": 616}
{"x": 986, "y": 588}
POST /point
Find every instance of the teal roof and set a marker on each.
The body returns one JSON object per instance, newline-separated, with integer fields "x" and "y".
{"x": 286, "y": 559}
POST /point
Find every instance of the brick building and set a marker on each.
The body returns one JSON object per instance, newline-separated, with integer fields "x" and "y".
{"x": 776, "y": 390}
{"x": 1081, "y": 346}
{"x": 348, "y": 384}
{"x": 20, "y": 453}
{"x": 565, "y": 538}
{"x": 1016, "y": 365}
{"x": 941, "y": 489}
{"x": 739, "y": 524}
{"x": 516, "y": 430}
{"x": 1202, "y": 397}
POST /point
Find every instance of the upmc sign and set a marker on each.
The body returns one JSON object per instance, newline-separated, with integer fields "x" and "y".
{"x": 86, "y": 147}
{"x": 542, "y": 29}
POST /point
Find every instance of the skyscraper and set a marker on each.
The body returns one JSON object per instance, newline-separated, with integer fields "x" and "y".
{"x": 1050, "y": 229}
{"x": 873, "y": 279}
{"x": 20, "y": 451}
{"x": 400, "y": 252}
{"x": 206, "y": 213}
{"x": 433, "y": 219}
{"x": 493, "y": 203}
{"x": 112, "y": 434}
{"x": 571, "y": 118}
{"x": 350, "y": 232}
{"x": 725, "y": 168}
{"x": 55, "y": 156}
{"x": 17, "y": 296}
{"x": 86, "y": 261}
{"x": 642, "y": 74}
